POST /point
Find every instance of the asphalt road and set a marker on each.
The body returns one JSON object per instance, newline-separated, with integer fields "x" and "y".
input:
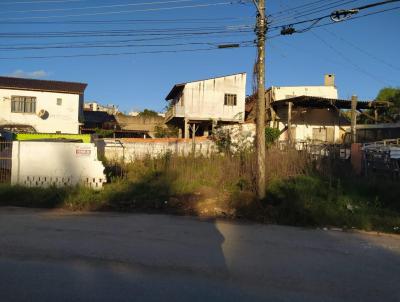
{"x": 63, "y": 256}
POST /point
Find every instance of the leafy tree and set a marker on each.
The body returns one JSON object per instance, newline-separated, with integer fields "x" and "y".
{"x": 148, "y": 113}
{"x": 390, "y": 94}
{"x": 103, "y": 133}
{"x": 271, "y": 135}
{"x": 166, "y": 131}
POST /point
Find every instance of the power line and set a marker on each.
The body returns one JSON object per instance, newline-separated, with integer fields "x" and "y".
{"x": 40, "y": 2}
{"x": 359, "y": 17}
{"x": 114, "y": 54}
{"x": 84, "y": 46}
{"x": 318, "y": 19}
{"x": 94, "y": 7}
{"x": 295, "y": 8}
{"x": 363, "y": 50}
{"x": 317, "y": 10}
{"x": 351, "y": 62}
{"x": 122, "y": 21}
{"x": 124, "y": 34}
{"x": 125, "y": 11}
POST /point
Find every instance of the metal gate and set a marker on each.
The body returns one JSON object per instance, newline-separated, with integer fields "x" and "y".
{"x": 5, "y": 161}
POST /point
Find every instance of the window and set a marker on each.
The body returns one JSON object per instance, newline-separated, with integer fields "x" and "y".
{"x": 59, "y": 102}
{"x": 230, "y": 99}
{"x": 23, "y": 104}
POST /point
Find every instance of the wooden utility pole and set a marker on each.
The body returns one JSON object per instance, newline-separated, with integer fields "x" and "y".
{"x": 289, "y": 123}
{"x": 261, "y": 30}
{"x": 354, "y": 101}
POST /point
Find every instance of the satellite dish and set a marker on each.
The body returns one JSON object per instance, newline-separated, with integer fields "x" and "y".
{"x": 43, "y": 114}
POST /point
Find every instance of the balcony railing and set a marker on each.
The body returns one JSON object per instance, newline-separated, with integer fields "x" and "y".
{"x": 175, "y": 111}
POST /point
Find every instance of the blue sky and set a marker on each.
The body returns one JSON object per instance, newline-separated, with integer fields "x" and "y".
{"x": 362, "y": 53}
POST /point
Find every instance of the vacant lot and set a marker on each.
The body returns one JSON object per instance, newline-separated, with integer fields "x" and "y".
{"x": 64, "y": 256}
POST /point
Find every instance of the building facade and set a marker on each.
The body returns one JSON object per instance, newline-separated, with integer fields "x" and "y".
{"x": 310, "y": 122}
{"x": 42, "y": 106}
{"x": 196, "y": 107}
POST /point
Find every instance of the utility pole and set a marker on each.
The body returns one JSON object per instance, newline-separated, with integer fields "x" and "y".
{"x": 261, "y": 30}
{"x": 353, "y": 130}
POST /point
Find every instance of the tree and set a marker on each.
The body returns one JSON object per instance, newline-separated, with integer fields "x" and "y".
{"x": 162, "y": 131}
{"x": 148, "y": 113}
{"x": 392, "y": 95}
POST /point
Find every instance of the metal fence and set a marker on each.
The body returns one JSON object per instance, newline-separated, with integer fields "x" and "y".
{"x": 5, "y": 161}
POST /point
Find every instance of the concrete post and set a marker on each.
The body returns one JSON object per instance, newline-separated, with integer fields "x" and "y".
{"x": 186, "y": 128}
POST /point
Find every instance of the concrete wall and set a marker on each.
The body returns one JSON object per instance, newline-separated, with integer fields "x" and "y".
{"x": 282, "y": 93}
{"x": 64, "y": 117}
{"x": 129, "y": 150}
{"x": 205, "y": 99}
{"x": 42, "y": 164}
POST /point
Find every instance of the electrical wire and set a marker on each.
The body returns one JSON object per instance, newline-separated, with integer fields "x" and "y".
{"x": 92, "y": 7}
{"x": 40, "y": 2}
{"x": 351, "y": 44}
{"x": 124, "y": 11}
{"x": 115, "y": 54}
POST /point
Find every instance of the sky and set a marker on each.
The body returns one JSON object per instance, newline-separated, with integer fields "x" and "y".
{"x": 152, "y": 44}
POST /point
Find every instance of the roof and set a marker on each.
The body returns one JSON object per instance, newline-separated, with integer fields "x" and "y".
{"x": 178, "y": 88}
{"x": 42, "y": 85}
{"x": 319, "y": 102}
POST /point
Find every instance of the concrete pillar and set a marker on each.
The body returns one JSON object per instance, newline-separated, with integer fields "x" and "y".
{"x": 186, "y": 128}
{"x": 213, "y": 125}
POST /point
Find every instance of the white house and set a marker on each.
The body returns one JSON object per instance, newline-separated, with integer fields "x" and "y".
{"x": 46, "y": 106}
{"x": 313, "y": 117}
{"x": 200, "y": 105}
{"x": 328, "y": 90}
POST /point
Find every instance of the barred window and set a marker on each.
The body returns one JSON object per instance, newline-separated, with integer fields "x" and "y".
{"x": 230, "y": 99}
{"x": 23, "y": 104}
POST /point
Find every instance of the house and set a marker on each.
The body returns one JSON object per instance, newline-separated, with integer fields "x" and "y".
{"x": 95, "y": 106}
{"x": 314, "y": 113}
{"x": 44, "y": 106}
{"x": 196, "y": 107}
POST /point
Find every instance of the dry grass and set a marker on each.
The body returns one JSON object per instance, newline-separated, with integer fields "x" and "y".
{"x": 224, "y": 185}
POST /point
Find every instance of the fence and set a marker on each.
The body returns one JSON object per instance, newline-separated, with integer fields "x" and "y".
{"x": 129, "y": 150}
{"x": 5, "y": 161}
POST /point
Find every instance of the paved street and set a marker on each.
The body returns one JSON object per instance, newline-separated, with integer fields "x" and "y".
{"x": 62, "y": 256}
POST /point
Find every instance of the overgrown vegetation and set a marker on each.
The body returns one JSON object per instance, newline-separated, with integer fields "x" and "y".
{"x": 166, "y": 131}
{"x": 148, "y": 113}
{"x": 300, "y": 191}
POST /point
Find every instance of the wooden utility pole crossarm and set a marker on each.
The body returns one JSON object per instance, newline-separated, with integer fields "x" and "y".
{"x": 261, "y": 29}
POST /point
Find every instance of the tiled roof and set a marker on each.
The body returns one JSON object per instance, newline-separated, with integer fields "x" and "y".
{"x": 42, "y": 85}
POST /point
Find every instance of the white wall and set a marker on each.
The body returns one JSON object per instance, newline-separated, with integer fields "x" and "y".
{"x": 64, "y": 117}
{"x": 116, "y": 150}
{"x": 281, "y": 93}
{"x": 303, "y": 133}
{"x": 205, "y": 99}
{"x": 42, "y": 164}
